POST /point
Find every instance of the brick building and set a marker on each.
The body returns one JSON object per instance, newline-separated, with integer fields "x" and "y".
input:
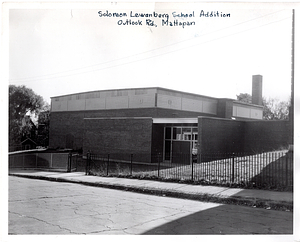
{"x": 149, "y": 121}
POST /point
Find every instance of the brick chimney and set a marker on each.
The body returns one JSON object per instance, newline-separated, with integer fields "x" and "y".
{"x": 257, "y": 90}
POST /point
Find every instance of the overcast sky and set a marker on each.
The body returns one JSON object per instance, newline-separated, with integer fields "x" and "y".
{"x": 72, "y": 49}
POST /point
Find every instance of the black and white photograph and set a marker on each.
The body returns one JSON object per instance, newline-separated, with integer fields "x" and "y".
{"x": 149, "y": 118}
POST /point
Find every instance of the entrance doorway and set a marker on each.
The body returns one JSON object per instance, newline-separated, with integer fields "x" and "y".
{"x": 180, "y": 143}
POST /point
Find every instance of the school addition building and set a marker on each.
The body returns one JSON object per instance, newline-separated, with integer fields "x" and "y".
{"x": 150, "y": 121}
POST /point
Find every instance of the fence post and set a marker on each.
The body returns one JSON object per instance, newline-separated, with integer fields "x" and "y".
{"x": 69, "y": 162}
{"x": 131, "y": 164}
{"x": 286, "y": 167}
{"x": 192, "y": 168}
{"x": 75, "y": 162}
{"x": 158, "y": 164}
{"x": 88, "y": 157}
{"x": 36, "y": 160}
{"x": 107, "y": 167}
{"x": 232, "y": 169}
{"x": 50, "y": 161}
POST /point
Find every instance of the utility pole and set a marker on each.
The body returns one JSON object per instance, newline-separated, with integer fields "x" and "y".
{"x": 291, "y": 111}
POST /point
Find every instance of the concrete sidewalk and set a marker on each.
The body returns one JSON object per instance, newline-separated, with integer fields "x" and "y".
{"x": 249, "y": 197}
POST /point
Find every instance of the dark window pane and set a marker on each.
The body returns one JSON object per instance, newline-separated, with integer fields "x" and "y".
{"x": 167, "y": 150}
{"x": 168, "y": 132}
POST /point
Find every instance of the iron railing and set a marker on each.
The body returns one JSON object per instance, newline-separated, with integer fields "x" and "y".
{"x": 264, "y": 170}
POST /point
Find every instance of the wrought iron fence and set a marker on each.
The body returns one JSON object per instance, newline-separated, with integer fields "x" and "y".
{"x": 266, "y": 170}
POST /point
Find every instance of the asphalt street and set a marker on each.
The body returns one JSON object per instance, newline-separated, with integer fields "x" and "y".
{"x": 45, "y": 207}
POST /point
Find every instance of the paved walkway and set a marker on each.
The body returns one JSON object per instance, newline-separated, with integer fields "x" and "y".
{"x": 249, "y": 197}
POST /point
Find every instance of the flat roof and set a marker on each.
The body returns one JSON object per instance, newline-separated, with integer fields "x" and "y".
{"x": 247, "y": 104}
{"x": 142, "y": 88}
{"x": 156, "y": 120}
{"x": 175, "y": 120}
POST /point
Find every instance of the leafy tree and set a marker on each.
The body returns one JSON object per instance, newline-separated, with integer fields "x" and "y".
{"x": 244, "y": 97}
{"x": 23, "y": 101}
{"x": 43, "y": 126}
{"x": 274, "y": 109}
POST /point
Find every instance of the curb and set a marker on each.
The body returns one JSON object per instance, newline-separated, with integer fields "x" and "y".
{"x": 203, "y": 197}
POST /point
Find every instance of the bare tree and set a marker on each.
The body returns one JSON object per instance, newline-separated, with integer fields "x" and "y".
{"x": 274, "y": 109}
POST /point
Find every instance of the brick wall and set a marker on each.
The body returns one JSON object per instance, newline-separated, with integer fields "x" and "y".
{"x": 223, "y": 135}
{"x": 220, "y": 135}
{"x": 65, "y": 125}
{"x": 215, "y": 134}
{"x": 225, "y": 108}
{"x": 267, "y": 135}
{"x": 119, "y": 137}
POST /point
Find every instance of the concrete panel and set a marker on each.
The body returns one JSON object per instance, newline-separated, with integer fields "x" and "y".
{"x": 166, "y": 92}
{"x": 243, "y": 112}
{"x": 210, "y": 107}
{"x": 166, "y": 101}
{"x": 118, "y": 93}
{"x": 142, "y": 101}
{"x": 63, "y": 98}
{"x": 117, "y": 102}
{"x": 76, "y": 105}
{"x": 192, "y": 105}
{"x": 57, "y": 106}
{"x": 92, "y": 95}
{"x": 234, "y": 111}
{"x": 143, "y": 91}
{"x": 256, "y": 113}
{"x": 95, "y": 104}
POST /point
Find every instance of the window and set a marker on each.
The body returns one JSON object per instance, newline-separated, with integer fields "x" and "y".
{"x": 182, "y": 134}
{"x": 177, "y": 134}
{"x": 168, "y": 133}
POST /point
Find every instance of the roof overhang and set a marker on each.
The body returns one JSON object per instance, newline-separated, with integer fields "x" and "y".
{"x": 175, "y": 120}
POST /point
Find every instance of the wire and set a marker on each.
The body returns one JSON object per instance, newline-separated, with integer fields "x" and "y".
{"x": 45, "y": 76}
{"x": 48, "y": 76}
{"x": 126, "y": 57}
{"x": 127, "y": 63}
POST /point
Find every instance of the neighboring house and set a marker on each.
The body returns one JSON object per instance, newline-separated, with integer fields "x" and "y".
{"x": 28, "y": 144}
{"x": 36, "y": 135}
{"x": 151, "y": 121}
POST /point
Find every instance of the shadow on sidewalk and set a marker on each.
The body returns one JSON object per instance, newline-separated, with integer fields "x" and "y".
{"x": 229, "y": 219}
